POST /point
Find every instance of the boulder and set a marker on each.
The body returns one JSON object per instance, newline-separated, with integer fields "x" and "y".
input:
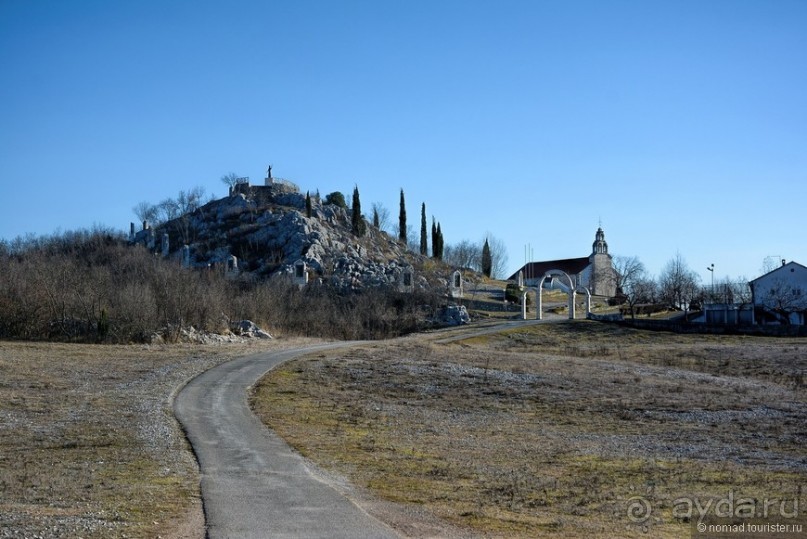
{"x": 248, "y": 328}
{"x": 453, "y": 315}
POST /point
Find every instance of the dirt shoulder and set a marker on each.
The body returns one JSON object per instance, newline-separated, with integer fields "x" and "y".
{"x": 89, "y": 446}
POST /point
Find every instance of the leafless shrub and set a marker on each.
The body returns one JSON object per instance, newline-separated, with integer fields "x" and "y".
{"x": 92, "y": 286}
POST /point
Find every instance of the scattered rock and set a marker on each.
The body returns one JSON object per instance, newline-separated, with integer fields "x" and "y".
{"x": 453, "y": 315}
{"x": 248, "y": 328}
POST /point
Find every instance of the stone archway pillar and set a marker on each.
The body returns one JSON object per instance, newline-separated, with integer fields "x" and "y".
{"x": 588, "y": 299}
{"x": 572, "y": 297}
{"x": 539, "y": 301}
{"x": 539, "y": 289}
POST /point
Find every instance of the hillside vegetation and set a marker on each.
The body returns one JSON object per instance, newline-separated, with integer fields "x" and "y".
{"x": 94, "y": 286}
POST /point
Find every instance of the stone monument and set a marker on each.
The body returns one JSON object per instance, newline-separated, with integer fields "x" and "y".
{"x": 456, "y": 284}
{"x": 300, "y": 273}
{"x": 406, "y": 280}
{"x": 232, "y": 266}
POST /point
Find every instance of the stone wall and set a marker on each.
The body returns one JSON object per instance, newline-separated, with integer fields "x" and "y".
{"x": 276, "y": 193}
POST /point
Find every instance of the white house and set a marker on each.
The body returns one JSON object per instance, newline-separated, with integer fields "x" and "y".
{"x": 781, "y": 295}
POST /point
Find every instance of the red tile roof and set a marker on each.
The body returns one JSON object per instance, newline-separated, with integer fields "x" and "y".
{"x": 536, "y": 270}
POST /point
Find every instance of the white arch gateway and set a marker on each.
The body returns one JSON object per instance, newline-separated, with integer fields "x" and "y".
{"x": 571, "y": 291}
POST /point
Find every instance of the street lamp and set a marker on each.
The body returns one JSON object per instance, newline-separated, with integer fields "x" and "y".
{"x": 712, "y": 271}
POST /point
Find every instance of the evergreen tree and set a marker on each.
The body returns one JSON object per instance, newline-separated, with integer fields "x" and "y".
{"x": 359, "y": 226}
{"x": 402, "y": 220}
{"x": 337, "y": 199}
{"x": 376, "y": 218}
{"x": 435, "y": 243}
{"x": 439, "y": 242}
{"x": 487, "y": 260}
{"x": 308, "y": 207}
{"x": 424, "y": 245}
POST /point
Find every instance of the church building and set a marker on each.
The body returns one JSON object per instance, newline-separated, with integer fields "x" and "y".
{"x": 595, "y": 272}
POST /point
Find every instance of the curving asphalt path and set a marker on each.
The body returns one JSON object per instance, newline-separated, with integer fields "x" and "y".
{"x": 253, "y": 483}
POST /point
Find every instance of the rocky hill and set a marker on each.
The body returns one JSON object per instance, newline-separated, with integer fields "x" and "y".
{"x": 262, "y": 231}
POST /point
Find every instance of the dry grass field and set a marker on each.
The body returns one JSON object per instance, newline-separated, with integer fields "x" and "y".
{"x": 573, "y": 429}
{"x": 89, "y": 446}
{"x": 548, "y": 430}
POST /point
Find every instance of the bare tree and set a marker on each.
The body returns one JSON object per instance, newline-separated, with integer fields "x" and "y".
{"x": 191, "y": 200}
{"x": 464, "y": 254}
{"x": 146, "y": 211}
{"x": 647, "y": 290}
{"x": 412, "y": 239}
{"x": 784, "y": 299}
{"x": 770, "y": 263}
{"x": 678, "y": 284}
{"x": 381, "y": 215}
{"x": 631, "y": 280}
{"x": 168, "y": 210}
{"x": 732, "y": 291}
{"x": 230, "y": 179}
{"x": 171, "y": 209}
{"x": 188, "y": 202}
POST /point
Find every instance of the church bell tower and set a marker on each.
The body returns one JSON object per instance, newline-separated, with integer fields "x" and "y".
{"x": 600, "y": 246}
{"x": 602, "y": 277}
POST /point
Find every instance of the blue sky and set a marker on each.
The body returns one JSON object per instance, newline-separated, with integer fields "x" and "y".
{"x": 682, "y": 126}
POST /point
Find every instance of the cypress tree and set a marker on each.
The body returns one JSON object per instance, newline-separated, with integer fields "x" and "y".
{"x": 376, "y": 218}
{"x": 359, "y": 226}
{"x": 487, "y": 260}
{"x": 435, "y": 242}
{"x": 308, "y": 207}
{"x": 402, "y": 220}
{"x": 439, "y": 242}
{"x": 424, "y": 246}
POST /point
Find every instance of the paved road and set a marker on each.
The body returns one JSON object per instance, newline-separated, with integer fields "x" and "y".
{"x": 253, "y": 483}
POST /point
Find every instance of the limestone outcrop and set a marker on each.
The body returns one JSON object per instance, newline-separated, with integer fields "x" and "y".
{"x": 260, "y": 233}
